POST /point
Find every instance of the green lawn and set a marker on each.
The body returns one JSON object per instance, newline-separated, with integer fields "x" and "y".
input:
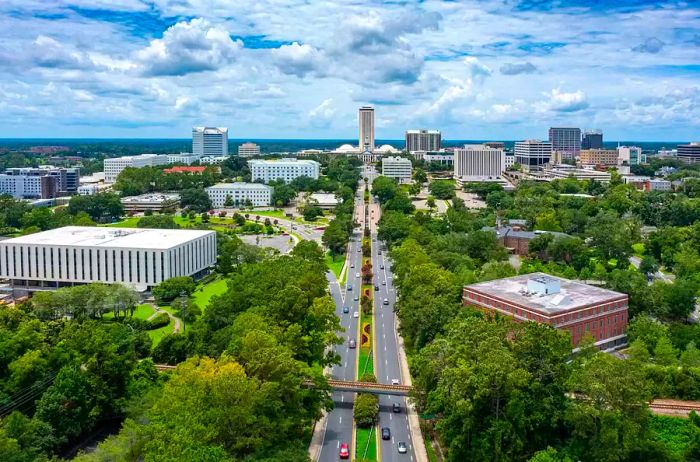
{"x": 127, "y": 223}
{"x": 157, "y": 334}
{"x": 366, "y": 358}
{"x": 335, "y": 265}
{"x": 143, "y": 311}
{"x": 366, "y": 444}
{"x": 265, "y": 213}
{"x": 204, "y": 293}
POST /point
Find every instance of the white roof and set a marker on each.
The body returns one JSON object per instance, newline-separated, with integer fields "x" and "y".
{"x": 387, "y": 148}
{"x": 126, "y": 238}
{"x": 239, "y": 185}
{"x": 286, "y": 160}
{"x": 324, "y": 198}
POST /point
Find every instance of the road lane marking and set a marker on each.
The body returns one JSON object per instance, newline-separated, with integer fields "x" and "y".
{"x": 340, "y": 419}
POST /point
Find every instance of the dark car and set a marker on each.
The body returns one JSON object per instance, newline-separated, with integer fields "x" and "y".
{"x": 396, "y": 407}
{"x": 386, "y": 433}
{"x": 376, "y": 287}
{"x": 349, "y": 288}
{"x": 346, "y": 309}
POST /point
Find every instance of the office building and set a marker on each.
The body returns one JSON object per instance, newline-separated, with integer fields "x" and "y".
{"x": 592, "y": 139}
{"x": 445, "y": 158}
{"x": 399, "y": 168}
{"x": 478, "y": 162}
{"x": 630, "y": 155}
{"x": 366, "y": 126}
{"x": 246, "y": 194}
{"x": 423, "y": 140}
{"x": 210, "y": 141}
{"x": 532, "y": 154}
{"x": 571, "y": 306}
{"x": 496, "y": 144}
{"x": 114, "y": 166}
{"x": 153, "y": 202}
{"x": 567, "y": 141}
{"x": 325, "y": 201}
{"x": 186, "y": 158}
{"x": 509, "y": 160}
{"x": 689, "y": 153}
{"x": 139, "y": 258}
{"x": 248, "y": 150}
{"x": 645, "y": 183}
{"x": 284, "y": 169}
{"x": 563, "y": 171}
{"x": 599, "y": 157}
{"x": 43, "y": 182}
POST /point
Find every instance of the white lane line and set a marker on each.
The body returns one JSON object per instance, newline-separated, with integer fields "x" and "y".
{"x": 340, "y": 419}
{"x": 342, "y": 398}
{"x": 338, "y": 445}
{"x": 391, "y": 417}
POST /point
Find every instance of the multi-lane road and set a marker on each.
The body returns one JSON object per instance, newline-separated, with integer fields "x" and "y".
{"x": 339, "y": 426}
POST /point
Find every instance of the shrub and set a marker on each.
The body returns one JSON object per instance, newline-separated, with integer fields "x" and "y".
{"x": 158, "y": 321}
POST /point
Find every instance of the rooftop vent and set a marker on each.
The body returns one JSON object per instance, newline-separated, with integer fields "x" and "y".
{"x": 543, "y": 285}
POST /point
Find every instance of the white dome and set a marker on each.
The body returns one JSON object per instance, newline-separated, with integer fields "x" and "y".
{"x": 346, "y": 147}
{"x": 387, "y": 148}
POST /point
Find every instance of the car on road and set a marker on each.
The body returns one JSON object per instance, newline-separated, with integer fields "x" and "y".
{"x": 381, "y": 266}
{"x": 394, "y": 381}
{"x": 386, "y": 301}
{"x": 346, "y": 309}
{"x": 383, "y": 283}
{"x": 356, "y": 314}
{"x": 352, "y": 343}
{"x": 344, "y": 451}
{"x": 349, "y": 287}
{"x": 376, "y": 287}
{"x": 379, "y": 253}
{"x": 359, "y": 250}
{"x": 402, "y": 448}
{"x": 386, "y": 433}
{"x": 357, "y": 275}
{"x": 396, "y": 407}
{"x": 352, "y": 265}
{"x": 356, "y": 297}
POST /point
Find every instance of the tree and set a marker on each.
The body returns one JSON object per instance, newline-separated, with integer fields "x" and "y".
{"x": 648, "y": 265}
{"x": 430, "y": 203}
{"x": 664, "y": 353}
{"x": 228, "y": 202}
{"x": 365, "y": 410}
{"x": 282, "y": 193}
{"x": 158, "y": 221}
{"x": 335, "y": 237}
{"x": 384, "y": 188}
{"x": 691, "y": 356}
{"x": 393, "y": 227}
{"x": 102, "y": 208}
{"x": 442, "y": 189}
{"x": 420, "y": 176}
{"x": 172, "y": 288}
{"x": 308, "y": 250}
{"x": 312, "y": 211}
{"x": 611, "y": 236}
{"x": 400, "y": 203}
{"x": 195, "y": 199}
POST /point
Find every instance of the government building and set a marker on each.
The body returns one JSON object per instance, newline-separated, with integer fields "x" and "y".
{"x": 572, "y": 306}
{"x": 138, "y": 258}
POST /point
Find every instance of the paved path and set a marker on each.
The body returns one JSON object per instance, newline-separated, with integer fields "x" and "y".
{"x": 175, "y": 320}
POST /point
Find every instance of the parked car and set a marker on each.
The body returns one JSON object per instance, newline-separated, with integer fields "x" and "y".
{"x": 386, "y": 433}
{"x": 402, "y": 448}
{"x": 396, "y": 407}
{"x": 344, "y": 451}
{"x": 352, "y": 343}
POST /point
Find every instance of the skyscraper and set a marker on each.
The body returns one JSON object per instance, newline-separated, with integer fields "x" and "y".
{"x": 366, "y": 125}
{"x": 423, "y": 140}
{"x": 592, "y": 139}
{"x": 566, "y": 141}
{"x": 210, "y": 141}
{"x": 532, "y": 154}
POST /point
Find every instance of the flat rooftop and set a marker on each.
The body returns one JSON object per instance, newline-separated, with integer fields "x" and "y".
{"x": 571, "y": 296}
{"x": 127, "y": 238}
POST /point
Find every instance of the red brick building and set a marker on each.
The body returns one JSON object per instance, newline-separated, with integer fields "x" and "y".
{"x": 184, "y": 169}
{"x": 567, "y": 305}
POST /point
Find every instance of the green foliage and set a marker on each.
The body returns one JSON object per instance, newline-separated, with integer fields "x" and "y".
{"x": 309, "y": 250}
{"x": 172, "y": 288}
{"x": 158, "y": 222}
{"x": 442, "y": 189}
{"x": 102, "y": 208}
{"x": 195, "y": 199}
{"x": 365, "y": 410}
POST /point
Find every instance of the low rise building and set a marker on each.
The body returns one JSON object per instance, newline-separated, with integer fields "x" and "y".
{"x": 598, "y": 157}
{"x": 248, "y": 150}
{"x": 399, "y": 168}
{"x": 444, "y": 157}
{"x": 326, "y": 201}
{"x": 186, "y": 158}
{"x": 114, "y": 166}
{"x": 286, "y": 169}
{"x": 196, "y": 170}
{"x": 252, "y": 194}
{"x": 154, "y": 202}
{"x": 645, "y": 183}
{"x": 516, "y": 239}
{"x": 563, "y": 171}
{"x": 572, "y": 306}
{"x": 139, "y": 258}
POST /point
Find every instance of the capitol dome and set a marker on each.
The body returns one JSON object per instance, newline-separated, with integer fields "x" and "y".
{"x": 387, "y": 148}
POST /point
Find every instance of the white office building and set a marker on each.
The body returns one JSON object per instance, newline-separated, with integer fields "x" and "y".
{"x": 423, "y": 140}
{"x": 630, "y": 155}
{"x": 186, "y": 158}
{"x": 254, "y": 194}
{"x": 399, "y": 168}
{"x": 366, "y": 125}
{"x": 139, "y": 258}
{"x": 509, "y": 160}
{"x": 114, "y": 166}
{"x": 212, "y": 160}
{"x": 285, "y": 169}
{"x": 478, "y": 162}
{"x": 532, "y": 154}
{"x": 210, "y": 141}
{"x": 249, "y": 150}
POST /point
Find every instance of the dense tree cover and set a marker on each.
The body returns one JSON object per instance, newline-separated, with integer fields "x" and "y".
{"x": 195, "y": 199}
{"x": 89, "y": 301}
{"x": 101, "y": 208}
{"x": 160, "y": 221}
{"x": 16, "y": 215}
{"x": 135, "y": 181}
{"x": 442, "y": 189}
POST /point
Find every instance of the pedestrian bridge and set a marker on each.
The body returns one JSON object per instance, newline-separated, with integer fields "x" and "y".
{"x": 345, "y": 385}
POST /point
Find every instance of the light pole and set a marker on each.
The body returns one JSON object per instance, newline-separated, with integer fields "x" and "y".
{"x": 183, "y": 309}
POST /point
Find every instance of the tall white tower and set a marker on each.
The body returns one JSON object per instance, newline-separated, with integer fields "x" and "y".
{"x": 366, "y": 124}
{"x": 210, "y": 141}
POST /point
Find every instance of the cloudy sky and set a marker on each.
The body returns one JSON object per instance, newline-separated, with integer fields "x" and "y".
{"x": 502, "y": 69}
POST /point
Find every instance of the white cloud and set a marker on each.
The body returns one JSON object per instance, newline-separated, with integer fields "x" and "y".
{"x": 297, "y": 59}
{"x": 559, "y": 101}
{"x": 189, "y": 47}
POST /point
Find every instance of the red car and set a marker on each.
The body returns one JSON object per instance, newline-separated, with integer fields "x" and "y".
{"x": 344, "y": 451}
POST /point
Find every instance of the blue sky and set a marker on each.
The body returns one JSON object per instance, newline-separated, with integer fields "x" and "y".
{"x": 482, "y": 69}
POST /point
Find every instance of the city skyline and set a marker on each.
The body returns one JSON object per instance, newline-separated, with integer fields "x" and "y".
{"x": 160, "y": 68}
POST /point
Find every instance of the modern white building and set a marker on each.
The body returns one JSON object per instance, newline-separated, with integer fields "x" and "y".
{"x": 285, "y": 169}
{"x": 212, "y": 160}
{"x": 366, "y": 125}
{"x": 562, "y": 171}
{"x": 532, "y": 154}
{"x": 423, "y": 140}
{"x": 630, "y": 155}
{"x": 326, "y": 201}
{"x": 186, "y": 158}
{"x": 509, "y": 160}
{"x": 248, "y": 150}
{"x": 114, "y": 166}
{"x": 478, "y": 162}
{"x": 399, "y": 168}
{"x": 210, "y": 141}
{"x": 44, "y": 182}
{"x": 139, "y": 258}
{"x": 254, "y": 194}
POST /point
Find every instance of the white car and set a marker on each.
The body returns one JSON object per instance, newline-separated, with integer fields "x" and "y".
{"x": 394, "y": 381}
{"x": 356, "y": 314}
{"x": 357, "y": 275}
